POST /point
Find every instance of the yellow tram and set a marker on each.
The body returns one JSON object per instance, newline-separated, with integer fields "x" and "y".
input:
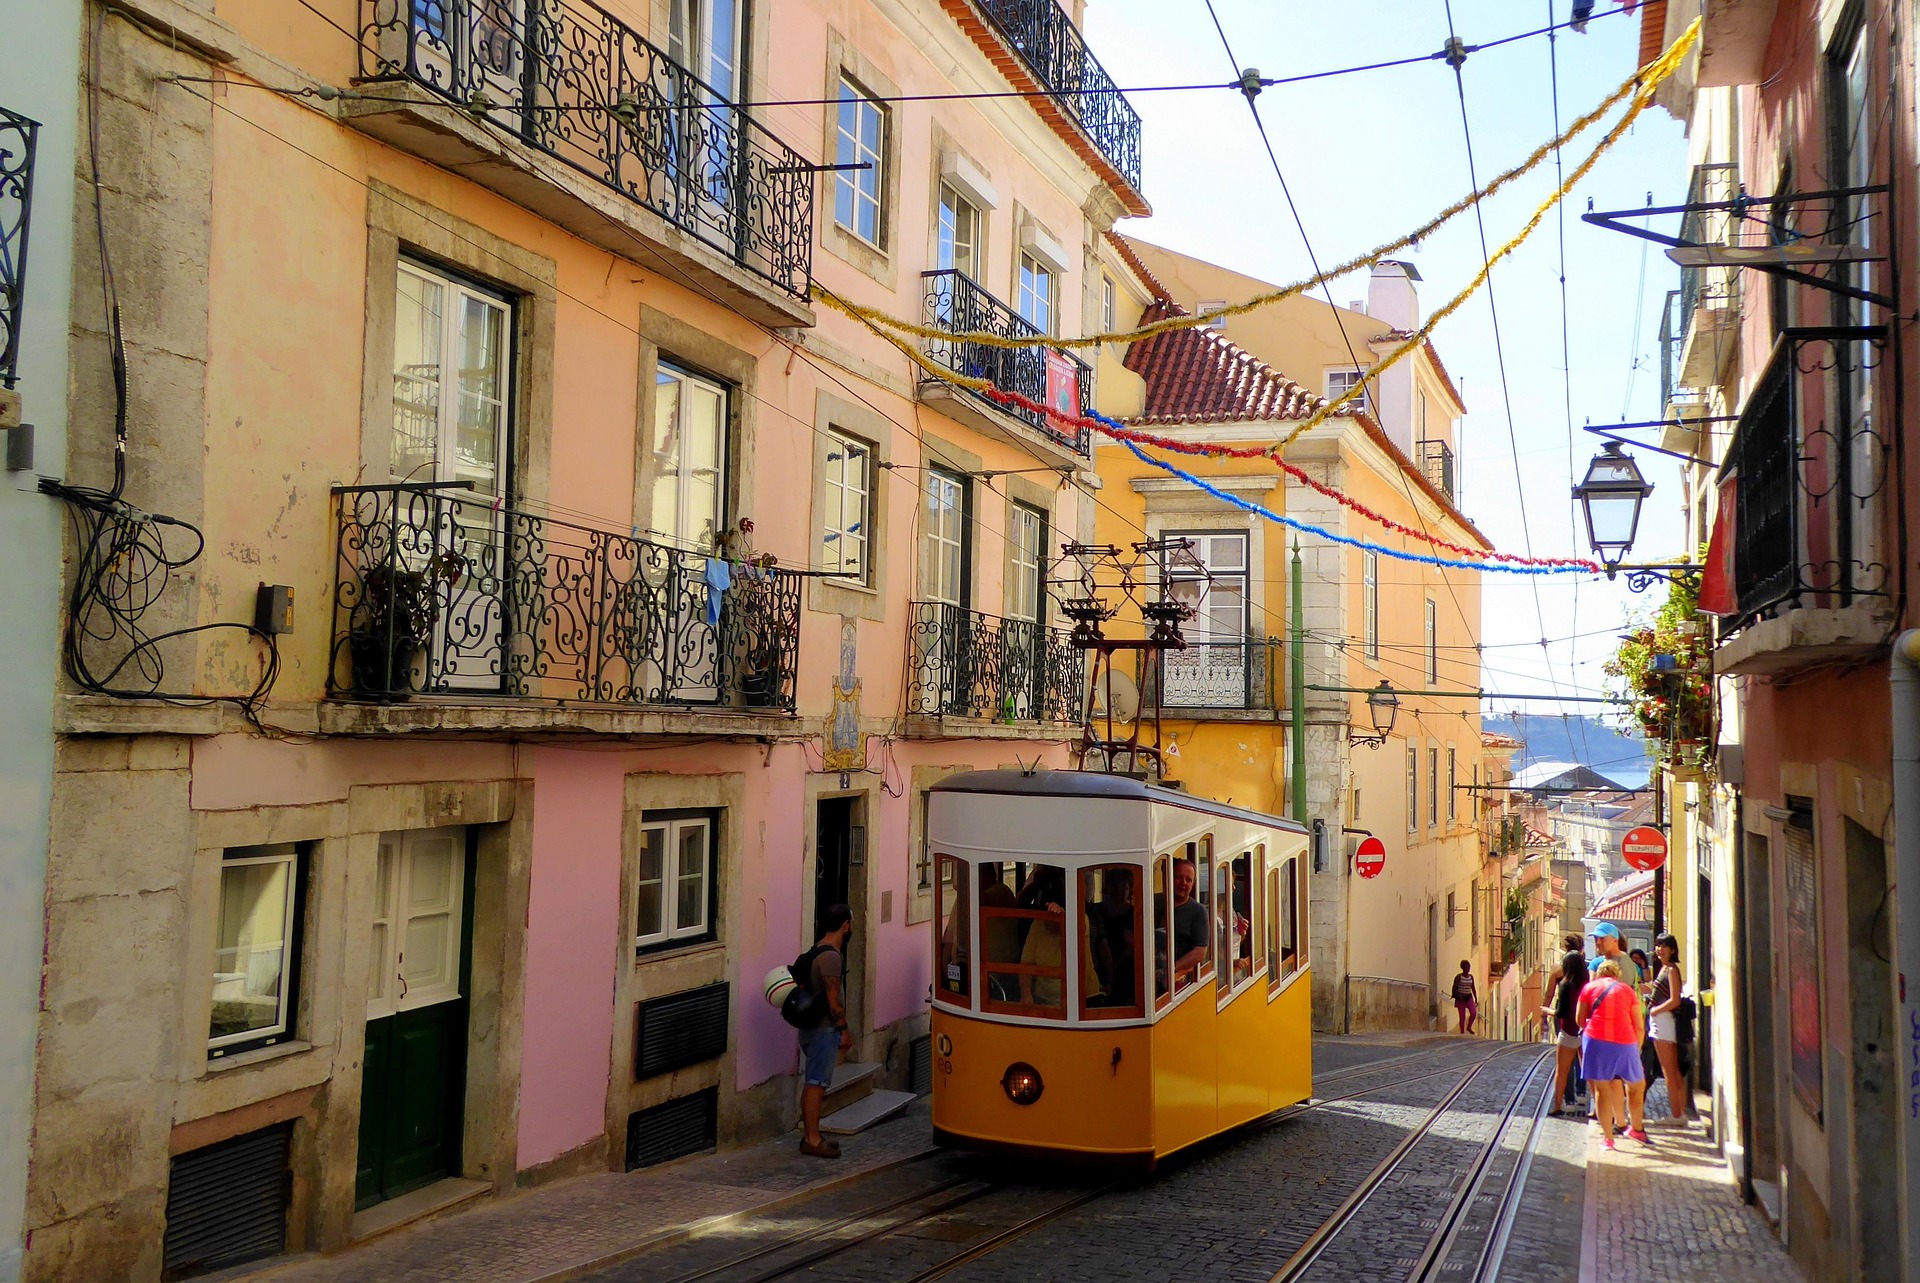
{"x": 1120, "y": 969}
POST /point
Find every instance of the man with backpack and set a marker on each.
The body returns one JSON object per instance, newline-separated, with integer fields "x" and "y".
{"x": 819, "y": 971}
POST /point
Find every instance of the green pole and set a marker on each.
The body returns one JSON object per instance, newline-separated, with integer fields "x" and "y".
{"x": 1299, "y": 694}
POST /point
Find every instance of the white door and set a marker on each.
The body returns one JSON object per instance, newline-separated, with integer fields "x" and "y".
{"x": 945, "y": 632}
{"x": 418, "y": 888}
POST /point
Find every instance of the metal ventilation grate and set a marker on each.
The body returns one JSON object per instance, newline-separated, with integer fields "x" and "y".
{"x": 673, "y": 1130}
{"x": 920, "y": 1065}
{"x": 227, "y": 1203}
{"x": 680, "y": 1029}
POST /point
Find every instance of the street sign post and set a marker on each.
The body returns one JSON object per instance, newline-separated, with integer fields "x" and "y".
{"x": 1370, "y": 857}
{"x": 1644, "y": 848}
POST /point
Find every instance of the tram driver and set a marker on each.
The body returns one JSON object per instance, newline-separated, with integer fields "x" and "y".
{"x": 1189, "y": 926}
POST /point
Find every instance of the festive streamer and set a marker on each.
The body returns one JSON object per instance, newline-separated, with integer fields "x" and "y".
{"x": 1640, "y": 85}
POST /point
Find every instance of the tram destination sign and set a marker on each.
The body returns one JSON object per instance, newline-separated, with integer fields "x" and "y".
{"x": 1370, "y": 857}
{"x": 1644, "y": 848}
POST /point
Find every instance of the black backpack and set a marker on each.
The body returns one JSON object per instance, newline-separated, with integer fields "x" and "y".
{"x": 803, "y": 1008}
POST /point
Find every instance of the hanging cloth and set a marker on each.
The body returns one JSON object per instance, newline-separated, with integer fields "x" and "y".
{"x": 719, "y": 578}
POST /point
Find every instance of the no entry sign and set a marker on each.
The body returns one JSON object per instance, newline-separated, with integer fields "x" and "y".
{"x": 1644, "y": 848}
{"x": 1370, "y": 857}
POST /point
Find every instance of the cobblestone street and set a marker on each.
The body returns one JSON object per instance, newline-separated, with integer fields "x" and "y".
{"x": 1376, "y": 1181}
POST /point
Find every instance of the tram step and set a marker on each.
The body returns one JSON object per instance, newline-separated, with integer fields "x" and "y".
{"x": 851, "y": 1082}
{"x": 875, "y": 1107}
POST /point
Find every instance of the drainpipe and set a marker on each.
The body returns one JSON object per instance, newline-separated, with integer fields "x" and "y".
{"x": 1904, "y": 680}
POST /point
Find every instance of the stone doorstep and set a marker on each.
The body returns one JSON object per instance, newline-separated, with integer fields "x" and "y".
{"x": 851, "y": 1082}
{"x": 876, "y": 1107}
{"x": 411, "y": 1209}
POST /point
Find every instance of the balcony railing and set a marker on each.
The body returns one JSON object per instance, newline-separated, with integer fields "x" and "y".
{"x": 572, "y": 80}
{"x": 954, "y": 302}
{"x": 1243, "y": 676}
{"x": 439, "y": 592}
{"x": 966, "y": 664}
{"x": 1055, "y": 51}
{"x": 1436, "y": 465}
{"x": 1707, "y": 285}
{"x": 17, "y": 136}
{"x": 1811, "y": 474}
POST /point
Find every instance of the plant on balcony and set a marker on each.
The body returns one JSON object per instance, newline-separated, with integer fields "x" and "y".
{"x": 394, "y": 624}
{"x": 1664, "y": 668}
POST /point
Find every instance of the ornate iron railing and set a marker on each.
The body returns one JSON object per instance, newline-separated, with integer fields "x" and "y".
{"x": 966, "y": 664}
{"x": 440, "y": 592}
{"x": 1704, "y": 285}
{"x": 1436, "y": 465}
{"x": 1810, "y": 474}
{"x": 17, "y": 137}
{"x": 955, "y": 302}
{"x": 1235, "y": 675}
{"x": 1055, "y": 51}
{"x": 579, "y": 84}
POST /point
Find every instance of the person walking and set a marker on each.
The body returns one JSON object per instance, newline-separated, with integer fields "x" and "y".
{"x": 1466, "y": 998}
{"x": 820, "y": 1046}
{"x": 1609, "y": 945}
{"x": 1609, "y": 1017}
{"x": 1663, "y": 1025}
{"x": 1561, "y": 1012}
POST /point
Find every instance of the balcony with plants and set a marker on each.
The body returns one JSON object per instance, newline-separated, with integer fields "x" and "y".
{"x": 448, "y": 598}
{"x": 1048, "y": 376}
{"x": 1664, "y": 667}
{"x": 628, "y": 148}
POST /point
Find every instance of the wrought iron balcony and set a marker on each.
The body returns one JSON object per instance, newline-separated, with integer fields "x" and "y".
{"x": 1436, "y": 465}
{"x": 1055, "y": 51}
{"x": 439, "y": 592}
{"x": 1811, "y": 472}
{"x": 966, "y": 664}
{"x": 1237, "y": 676}
{"x": 17, "y": 136}
{"x": 954, "y": 302}
{"x": 577, "y": 83}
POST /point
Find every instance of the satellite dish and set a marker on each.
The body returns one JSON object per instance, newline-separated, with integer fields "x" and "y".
{"x": 1126, "y": 697}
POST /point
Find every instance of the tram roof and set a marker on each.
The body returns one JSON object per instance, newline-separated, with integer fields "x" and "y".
{"x": 1100, "y": 784}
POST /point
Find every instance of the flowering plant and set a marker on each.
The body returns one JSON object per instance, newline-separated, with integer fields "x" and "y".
{"x": 1664, "y": 668}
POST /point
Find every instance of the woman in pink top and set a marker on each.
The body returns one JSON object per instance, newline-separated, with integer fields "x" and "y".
{"x": 1610, "y": 1035}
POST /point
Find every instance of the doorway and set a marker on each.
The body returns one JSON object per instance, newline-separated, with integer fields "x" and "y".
{"x": 840, "y": 877}
{"x": 1763, "y": 1082}
{"x": 413, "y": 1076}
{"x": 1874, "y": 1086}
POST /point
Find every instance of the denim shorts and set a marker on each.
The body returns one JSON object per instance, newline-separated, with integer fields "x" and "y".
{"x": 819, "y": 1048}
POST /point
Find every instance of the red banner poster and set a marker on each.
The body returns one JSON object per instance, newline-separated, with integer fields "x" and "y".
{"x": 1063, "y": 385}
{"x": 1717, "y": 595}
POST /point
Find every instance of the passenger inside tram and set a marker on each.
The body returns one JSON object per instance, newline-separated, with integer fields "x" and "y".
{"x": 1189, "y": 925}
{"x": 1112, "y": 926}
{"x": 954, "y": 933}
{"x": 1043, "y": 954}
{"x": 1000, "y": 931}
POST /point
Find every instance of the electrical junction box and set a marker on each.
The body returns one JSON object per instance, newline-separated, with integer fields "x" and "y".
{"x": 273, "y": 609}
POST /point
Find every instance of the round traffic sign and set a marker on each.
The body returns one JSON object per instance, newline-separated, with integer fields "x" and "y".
{"x": 1644, "y": 848}
{"x": 1370, "y": 857}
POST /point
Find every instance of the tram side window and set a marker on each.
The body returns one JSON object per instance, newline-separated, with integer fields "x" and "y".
{"x": 954, "y": 975}
{"x": 1292, "y": 957}
{"x": 1023, "y": 936}
{"x": 1272, "y": 896}
{"x": 1191, "y": 918}
{"x": 1110, "y": 937}
{"x": 1237, "y": 915}
{"x": 1162, "y": 932}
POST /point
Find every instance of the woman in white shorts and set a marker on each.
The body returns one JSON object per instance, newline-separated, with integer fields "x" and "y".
{"x": 1662, "y": 1002}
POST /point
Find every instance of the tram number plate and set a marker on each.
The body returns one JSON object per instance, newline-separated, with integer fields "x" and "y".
{"x": 944, "y": 1045}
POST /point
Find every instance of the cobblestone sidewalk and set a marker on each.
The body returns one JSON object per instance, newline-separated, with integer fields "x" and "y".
{"x": 1671, "y": 1213}
{"x": 568, "y": 1228}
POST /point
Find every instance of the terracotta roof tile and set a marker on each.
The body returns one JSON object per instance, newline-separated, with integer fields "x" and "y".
{"x": 1653, "y": 31}
{"x": 1198, "y": 376}
{"x": 1137, "y": 265}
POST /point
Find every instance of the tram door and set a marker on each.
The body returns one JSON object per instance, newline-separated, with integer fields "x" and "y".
{"x": 840, "y": 877}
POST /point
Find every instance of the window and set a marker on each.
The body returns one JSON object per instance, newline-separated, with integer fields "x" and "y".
{"x": 1476, "y": 915}
{"x": 1234, "y": 916}
{"x": 1219, "y": 562}
{"x": 862, "y": 138}
{"x": 957, "y": 244}
{"x": 689, "y": 458}
{"x": 256, "y": 949}
{"x": 1338, "y": 381}
{"x": 1027, "y": 565}
{"x": 1370, "y": 602}
{"x": 1453, "y": 805}
{"x": 1413, "y": 789}
{"x": 849, "y": 498}
{"x": 1283, "y": 920}
{"x": 1109, "y": 305}
{"x": 419, "y": 891}
{"x": 1110, "y": 962}
{"x": 954, "y": 978}
{"x": 1420, "y": 416}
{"x": 452, "y": 364}
{"x": 1453, "y": 908}
{"x": 1433, "y": 787}
{"x": 1432, "y": 637}
{"x": 943, "y": 539}
{"x": 1023, "y": 935}
{"x": 1033, "y": 295}
{"x": 1208, "y": 307}
{"x": 673, "y": 888}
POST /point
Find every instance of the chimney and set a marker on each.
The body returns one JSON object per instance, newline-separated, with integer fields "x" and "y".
{"x": 1391, "y": 295}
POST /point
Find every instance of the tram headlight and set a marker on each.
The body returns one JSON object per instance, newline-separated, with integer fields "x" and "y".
{"x": 1022, "y": 1083}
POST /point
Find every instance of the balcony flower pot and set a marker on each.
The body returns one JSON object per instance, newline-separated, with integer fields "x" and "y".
{"x": 394, "y": 624}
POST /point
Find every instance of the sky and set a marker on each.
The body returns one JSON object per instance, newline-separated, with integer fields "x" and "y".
{"x": 1370, "y": 155}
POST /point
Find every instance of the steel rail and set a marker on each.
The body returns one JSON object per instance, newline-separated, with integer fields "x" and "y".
{"x": 1310, "y": 1251}
{"x": 1494, "y": 1252}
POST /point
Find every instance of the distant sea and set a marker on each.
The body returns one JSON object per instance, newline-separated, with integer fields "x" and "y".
{"x": 1570, "y": 737}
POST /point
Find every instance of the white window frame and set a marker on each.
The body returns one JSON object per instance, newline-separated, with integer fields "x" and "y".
{"x": 670, "y": 929}
{"x": 1339, "y": 380}
{"x": 1432, "y": 625}
{"x": 284, "y": 853}
{"x": 692, "y": 387}
{"x": 448, "y": 383}
{"x": 1370, "y": 602}
{"x": 837, "y": 538}
{"x": 953, "y": 213}
{"x": 1214, "y": 306}
{"x": 1109, "y": 304}
{"x": 862, "y": 188}
{"x": 937, "y": 544}
{"x": 1027, "y": 565}
{"x": 382, "y": 999}
{"x": 1413, "y": 788}
{"x": 1453, "y": 805}
{"x": 1036, "y": 286}
{"x": 1433, "y": 786}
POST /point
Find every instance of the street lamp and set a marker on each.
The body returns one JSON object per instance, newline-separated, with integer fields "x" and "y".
{"x": 1610, "y": 497}
{"x": 1382, "y": 706}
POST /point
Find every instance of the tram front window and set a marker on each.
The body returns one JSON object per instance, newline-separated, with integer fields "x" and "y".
{"x": 1023, "y": 937}
{"x": 1110, "y": 931}
{"x": 953, "y": 976}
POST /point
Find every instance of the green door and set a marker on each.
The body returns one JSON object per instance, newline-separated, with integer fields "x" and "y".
{"x": 412, "y": 1092}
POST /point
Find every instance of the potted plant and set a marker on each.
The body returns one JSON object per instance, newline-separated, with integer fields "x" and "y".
{"x": 1664, "y": 668}
{"x": 394, "y": 622}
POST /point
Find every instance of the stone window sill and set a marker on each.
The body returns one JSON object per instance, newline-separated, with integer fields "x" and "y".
{"x": 258, "y": 1056}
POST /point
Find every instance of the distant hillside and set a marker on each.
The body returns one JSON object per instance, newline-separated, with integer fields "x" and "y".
{"x": 1590, "y": 741}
